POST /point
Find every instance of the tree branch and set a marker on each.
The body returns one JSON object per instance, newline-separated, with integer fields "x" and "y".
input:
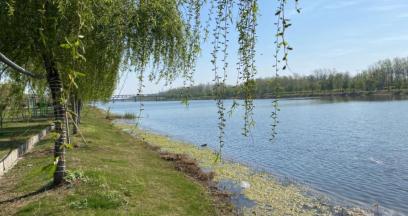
{"x": 16, "y": 67}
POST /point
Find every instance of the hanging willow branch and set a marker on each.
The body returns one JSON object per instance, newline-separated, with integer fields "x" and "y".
{"x": 220, "y": 44}
{"x": 281, "y": 54}
{"x": 246, "y": 26}
{"x": 192, "y": 31}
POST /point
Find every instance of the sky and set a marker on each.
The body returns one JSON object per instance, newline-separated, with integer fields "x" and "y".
{"x": 347, "y": 35}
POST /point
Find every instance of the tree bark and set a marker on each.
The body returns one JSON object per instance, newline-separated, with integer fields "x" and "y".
{"x": 67, "y": 127}
{"x": 79, "y": 109}
{"x": 75, "y": 110}
{"x": 55, "y": 85}
{"x": 1, "y": 120}
{"x": 76, "y": 107}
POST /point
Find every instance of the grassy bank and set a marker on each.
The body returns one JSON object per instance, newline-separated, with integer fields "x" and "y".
{"x": 13, "y": 134}
{"x": 114, "y": 174}
{"x": 271, "y": 196}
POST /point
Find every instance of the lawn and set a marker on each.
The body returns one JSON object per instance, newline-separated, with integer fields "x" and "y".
{"x": 13, "y": 134}
{"x": 115, "y": 175}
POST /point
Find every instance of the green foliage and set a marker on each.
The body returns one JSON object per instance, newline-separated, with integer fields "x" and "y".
{"x": 281, "y": 54}
{"x": 79, "y": 204}
{"x": 246, "y": 27}
{"x": 129, "y": 116}
{"x": 92, "y": 40}
{"x": 246, "y": 66}
{"x": 11, "y": 96}
{"x": 75, "y": 176}
{"x": 105, "y": 200}
{"x": 53, "y": 135}
{"x": 50, "y": 169}
{"x": 120, "y": 116}
{"x": 223, "y": 20}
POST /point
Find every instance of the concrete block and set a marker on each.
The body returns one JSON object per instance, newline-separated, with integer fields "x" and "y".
{"x": 1, "y": 168}
{"x": 11, "y": 159}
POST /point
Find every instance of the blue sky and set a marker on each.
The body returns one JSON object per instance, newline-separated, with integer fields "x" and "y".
{"x": 348, "y": 35}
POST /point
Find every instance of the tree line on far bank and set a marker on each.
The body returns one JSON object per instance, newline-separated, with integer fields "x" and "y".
{"x": 389, "y": 74}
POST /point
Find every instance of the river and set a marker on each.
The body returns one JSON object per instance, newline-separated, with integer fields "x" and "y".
{"x": 355, "y": 152}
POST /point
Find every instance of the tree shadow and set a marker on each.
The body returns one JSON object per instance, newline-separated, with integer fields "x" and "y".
{"x": 43, "y": 189}
{"x": 22, "y": 130}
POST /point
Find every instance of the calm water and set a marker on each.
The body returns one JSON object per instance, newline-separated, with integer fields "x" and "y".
{"x": 355, "y": 151}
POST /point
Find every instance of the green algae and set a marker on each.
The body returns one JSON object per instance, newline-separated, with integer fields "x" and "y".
{"x": 271, "y": 196}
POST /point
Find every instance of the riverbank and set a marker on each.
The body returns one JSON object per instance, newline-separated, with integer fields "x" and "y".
{"x": 352, "y": 94}
{"x": 113, "y": 174}
{"x": 253, "y": 193}
{"x": 394, "y": 94}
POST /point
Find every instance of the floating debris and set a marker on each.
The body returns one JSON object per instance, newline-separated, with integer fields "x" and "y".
{"x": 245, "y": 185}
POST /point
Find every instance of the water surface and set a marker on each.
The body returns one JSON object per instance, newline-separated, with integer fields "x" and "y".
{"x": 353, "y": 151}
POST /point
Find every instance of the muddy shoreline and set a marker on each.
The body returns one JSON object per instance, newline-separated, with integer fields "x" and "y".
{"x": 249, "y": 191}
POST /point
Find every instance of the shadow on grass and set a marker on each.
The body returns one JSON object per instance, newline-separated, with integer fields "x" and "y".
{"x": 34, "y": 119}
{"x": 7, "y": 146}
{"x": 43, "y": 189}
{"x": 15, "y": 131}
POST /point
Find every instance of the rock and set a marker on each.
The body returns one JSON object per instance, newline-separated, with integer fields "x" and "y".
{"x": 245, "y": 184}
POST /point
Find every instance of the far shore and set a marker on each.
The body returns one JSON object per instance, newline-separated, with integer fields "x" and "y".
{"x": 395, "y": 94}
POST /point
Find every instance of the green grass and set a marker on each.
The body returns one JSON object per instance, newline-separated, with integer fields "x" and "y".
{"x": 13, "y": 134}
{"x": 117, "y": 175}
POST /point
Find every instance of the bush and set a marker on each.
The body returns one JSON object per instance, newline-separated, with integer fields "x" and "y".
{"x": 120, "y": 116}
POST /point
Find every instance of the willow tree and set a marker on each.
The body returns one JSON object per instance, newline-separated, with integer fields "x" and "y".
{"x": 64, "y": 40}
{"x": 79, "y": 47}
{"x": 11, "y": 95}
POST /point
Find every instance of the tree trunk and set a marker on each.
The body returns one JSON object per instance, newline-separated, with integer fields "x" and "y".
{"x": 76, "y": 106}
{"x": 67, "y": 127}
{"x": 74, "y": 119}
{"x": 55, "y": 85}
{"x": 79, "y": 109}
